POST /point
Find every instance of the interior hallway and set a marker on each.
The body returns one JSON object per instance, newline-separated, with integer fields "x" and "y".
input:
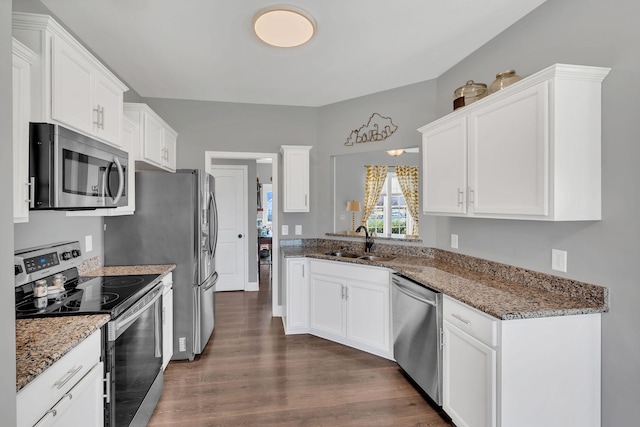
{"x": 251, "y": 374}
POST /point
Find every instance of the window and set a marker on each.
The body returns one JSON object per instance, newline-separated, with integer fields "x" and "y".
{"x": 390, "y": 218}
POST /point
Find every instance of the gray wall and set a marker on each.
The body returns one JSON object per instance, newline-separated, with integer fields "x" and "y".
{"x": 409, "y": 107}
{"x": 219, "y": 126}
{"x": 7, "y": 311}
{"x": 252, "y": 207}
{"x": 589, "y": 32}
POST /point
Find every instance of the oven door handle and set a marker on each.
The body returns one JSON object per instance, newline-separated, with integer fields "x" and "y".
{"x": 120, "y": 325}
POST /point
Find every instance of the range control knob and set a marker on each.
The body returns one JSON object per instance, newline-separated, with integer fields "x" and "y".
{"x": 66, "y": 256}
{"x": 75, "y": 253}
{"x": 18, "y": 269}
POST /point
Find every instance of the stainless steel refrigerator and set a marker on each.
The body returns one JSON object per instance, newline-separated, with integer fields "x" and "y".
{"x": 175, "y": 222}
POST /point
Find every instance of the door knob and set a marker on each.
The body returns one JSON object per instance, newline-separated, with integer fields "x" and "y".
{"x": 239, "y": 236}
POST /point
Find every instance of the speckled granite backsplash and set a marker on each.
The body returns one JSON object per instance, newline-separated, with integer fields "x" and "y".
{"x": 566, "y": 287}
{"x": 89, "y": 264}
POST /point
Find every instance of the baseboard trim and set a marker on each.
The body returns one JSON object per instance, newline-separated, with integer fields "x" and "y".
{"x": 252, "y": 287}
{"x": 277, "y": 311}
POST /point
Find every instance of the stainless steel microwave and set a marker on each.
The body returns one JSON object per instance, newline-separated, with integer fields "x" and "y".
{"x": 70, "y": 171}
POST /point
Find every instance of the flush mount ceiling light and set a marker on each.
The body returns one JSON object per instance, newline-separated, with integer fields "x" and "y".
{"x": 395, "y": 153}
{"x": 284, "y": 26}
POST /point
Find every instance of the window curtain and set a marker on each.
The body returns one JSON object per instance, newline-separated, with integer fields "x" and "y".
{"x": 408, "y": 180}
{"x": 376, "y": 175}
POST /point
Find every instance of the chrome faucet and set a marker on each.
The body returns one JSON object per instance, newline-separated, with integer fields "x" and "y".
{"x": 368, "y": 242}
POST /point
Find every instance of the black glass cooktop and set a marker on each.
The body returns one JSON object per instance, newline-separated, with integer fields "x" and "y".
{"x": 86, "y": 295}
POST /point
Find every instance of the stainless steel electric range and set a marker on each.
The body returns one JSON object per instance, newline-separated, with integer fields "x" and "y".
{"x": 132, "y": 339}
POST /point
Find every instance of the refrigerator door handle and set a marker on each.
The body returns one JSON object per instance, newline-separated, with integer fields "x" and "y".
{"x": 212, "y": 282}
{"x": 213, "y": 223}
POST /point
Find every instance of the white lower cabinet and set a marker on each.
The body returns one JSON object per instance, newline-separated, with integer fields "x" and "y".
{"x": 296, "y": 296}
{"x": 520, "y": 373}
{"x": 350, "y": 304}
{"x": 167, "y": 320}
{"x": 69, "y": 393}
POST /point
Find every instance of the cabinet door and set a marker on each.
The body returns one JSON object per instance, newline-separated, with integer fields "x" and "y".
{"x": 469, "y": 379}
{"x": 72, "y": 84}
{"x": 296, "y": 179}
{"x": 153, "y": 139}
{"x": 297, "y": 295}
{"x": 444, "y": 151}
{"x": 169, "y": 147}
{"x": 82, "y": 406}
{"x": 368, "y": 318}
{"x": 21, "y": 114}
{"x": 508, "y": 155}
{"x": 108, "y": 101}
{"x": 167, "y": 327}
{"x": 327, "y": 308}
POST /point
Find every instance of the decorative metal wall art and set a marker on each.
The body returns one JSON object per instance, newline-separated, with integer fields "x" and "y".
{"x": 378, "y": 128}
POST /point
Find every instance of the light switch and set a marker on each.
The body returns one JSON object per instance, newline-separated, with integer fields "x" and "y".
{"x": 285, "y": 230}
{"x": 298, "y": 230}
{"x": 88, "y": 243}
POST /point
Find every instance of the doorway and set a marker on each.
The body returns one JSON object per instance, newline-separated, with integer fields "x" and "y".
{"x": 212, "y": 157}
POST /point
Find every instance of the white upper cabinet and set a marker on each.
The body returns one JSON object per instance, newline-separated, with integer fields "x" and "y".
{"x": 69, "y": 85}
{"x": 530, "y": 151}
{"x": 296, "y": 177}
{"x": 23, "y": 57}
{"x": 157, "y": 143}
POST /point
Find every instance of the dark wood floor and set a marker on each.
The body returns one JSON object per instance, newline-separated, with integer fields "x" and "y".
{"x": 251, "y": 374}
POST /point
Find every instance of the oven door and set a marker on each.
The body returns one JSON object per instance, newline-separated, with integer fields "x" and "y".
{"x": 72, "y": 171}
{"x": 134, "y": 362}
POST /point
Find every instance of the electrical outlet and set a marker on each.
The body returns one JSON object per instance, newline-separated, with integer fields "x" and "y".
{"x": 88, "y": 243}
{"x": 182, "y": 342}
{"x": 298, "y": 230}
{"x": 559, "y": 260}
{"x": 285, "y": 230}
{"x": 454, "y": 241}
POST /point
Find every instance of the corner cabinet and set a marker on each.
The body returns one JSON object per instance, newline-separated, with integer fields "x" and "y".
{"x": 23, "y": 57}
{"x": 295, "y": 178}
{"x": 530, "y": 151}
{"x": 351, "y": 304}
{"x": 157, "y": 142}
{"x": 520, "y": 373}
{"x": 69, "y": 85}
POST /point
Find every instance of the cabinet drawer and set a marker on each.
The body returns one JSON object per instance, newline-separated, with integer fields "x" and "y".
{"x": 42, "y": 393}
{"x": 475, "y": 323}
{"x": 347, "y": 271}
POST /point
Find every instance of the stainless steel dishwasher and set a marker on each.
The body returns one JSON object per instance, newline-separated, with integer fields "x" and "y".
{"x": 417, "y": 338}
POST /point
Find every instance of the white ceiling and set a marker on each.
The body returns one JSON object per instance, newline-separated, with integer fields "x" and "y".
{"x": 206, "y": 49}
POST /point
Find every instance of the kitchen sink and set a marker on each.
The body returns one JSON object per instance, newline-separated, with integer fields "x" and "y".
{"x": 341, "y": 254}
{"x": 376, "y": 258}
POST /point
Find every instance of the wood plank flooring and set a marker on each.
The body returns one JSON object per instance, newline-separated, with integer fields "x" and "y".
{"x": 252, "y": 374}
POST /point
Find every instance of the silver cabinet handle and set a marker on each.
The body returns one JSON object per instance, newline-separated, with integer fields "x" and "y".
{"x": 472, "y": 197}
{"x": 32, "y": 192}
{"x": 460, "y": 197}
{"x": 462, "y": 319}
{"x": 305, "y": 201}
{"x": 346, "y": 292}
{"x": 97, "y": 121}
{"x": 61, "y": 382}
{"x": 102, "y": 117}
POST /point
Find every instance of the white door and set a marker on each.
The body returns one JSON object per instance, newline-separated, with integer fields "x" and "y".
{"x": 231, "y": 254}
{"x": 368, "y": 314}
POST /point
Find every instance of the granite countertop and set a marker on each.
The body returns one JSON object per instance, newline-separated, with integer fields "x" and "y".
{"x": 42, "y": 342}
{"x": 498, "y": 297}
{"x": 131, "y": 270}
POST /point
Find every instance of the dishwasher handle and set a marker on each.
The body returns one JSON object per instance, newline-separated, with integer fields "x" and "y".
{"x": 412, "y": 295}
